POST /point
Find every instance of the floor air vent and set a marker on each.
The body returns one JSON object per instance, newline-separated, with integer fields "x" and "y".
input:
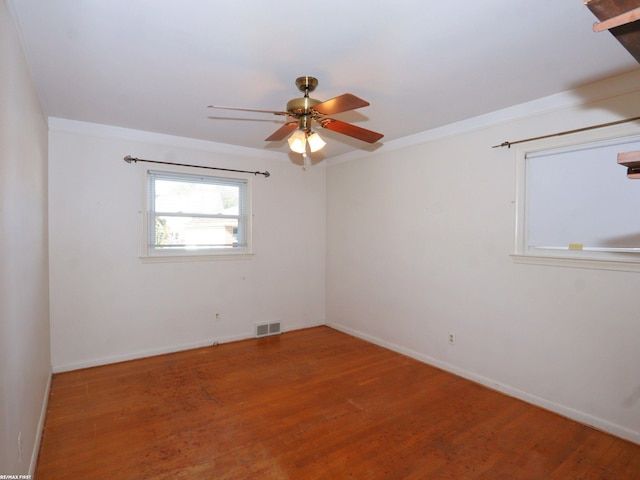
{"x": 266, "y": 329}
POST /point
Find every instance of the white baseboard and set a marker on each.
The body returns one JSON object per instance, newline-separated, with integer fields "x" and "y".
{"x": 568, "y": 412}
{"x": 43, "y": 415}
{"x": 96, "y": 362}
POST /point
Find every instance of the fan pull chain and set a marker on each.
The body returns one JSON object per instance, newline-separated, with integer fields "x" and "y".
{"x": 304, "y": 161}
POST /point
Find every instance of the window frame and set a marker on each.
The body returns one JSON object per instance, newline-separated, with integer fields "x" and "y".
{"x": 151, "y": 254}
{"x": 601, "y": 260}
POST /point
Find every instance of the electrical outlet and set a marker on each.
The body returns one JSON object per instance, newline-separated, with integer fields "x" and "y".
{"x": 452, "y": 339}
{"x": 19, "y": 447}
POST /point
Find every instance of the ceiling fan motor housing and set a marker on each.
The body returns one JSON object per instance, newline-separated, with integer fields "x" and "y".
{"x": 301, "y": 106}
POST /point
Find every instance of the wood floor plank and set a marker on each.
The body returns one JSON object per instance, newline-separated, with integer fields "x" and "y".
{"x": 309, "y": 404}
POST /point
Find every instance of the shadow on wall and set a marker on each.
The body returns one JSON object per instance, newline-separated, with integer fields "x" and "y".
{"x": 633, "y": 399}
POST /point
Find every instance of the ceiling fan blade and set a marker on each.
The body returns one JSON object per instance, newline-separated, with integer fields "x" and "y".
{"x": 351, "y": 130}
{"x": 339, "y": 104}
{"x": 247, "y": 110}
{"x": 282, "y": 132}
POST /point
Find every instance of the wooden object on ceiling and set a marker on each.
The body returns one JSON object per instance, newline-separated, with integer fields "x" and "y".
{"x": 621, "y": 16}
{"x": 628, "y": 17}
{"x": 631, "y": 160}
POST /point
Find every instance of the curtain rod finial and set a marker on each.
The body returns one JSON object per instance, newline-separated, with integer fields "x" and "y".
{"x": 129, "y": 159}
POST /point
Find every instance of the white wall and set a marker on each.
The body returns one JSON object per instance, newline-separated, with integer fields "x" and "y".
{"x": 25, "y": 366}
{"x": 107, "y": 305}
{"x": 418, "y": 244}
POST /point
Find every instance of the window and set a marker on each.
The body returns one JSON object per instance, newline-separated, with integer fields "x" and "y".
{"x": 575, "y": 204}
{"x": 196, "y": 215}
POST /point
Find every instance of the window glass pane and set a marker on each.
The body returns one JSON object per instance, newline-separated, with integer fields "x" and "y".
{"x": 196, "y": 232}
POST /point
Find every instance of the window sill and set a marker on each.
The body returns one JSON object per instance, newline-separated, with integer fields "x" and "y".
{"x": 578, "y": 262}
{"x": 195, "y": 258}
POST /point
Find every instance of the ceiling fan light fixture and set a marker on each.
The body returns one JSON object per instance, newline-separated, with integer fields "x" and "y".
{"x": 298, "y": 141}
{"x": 315, "y": 142}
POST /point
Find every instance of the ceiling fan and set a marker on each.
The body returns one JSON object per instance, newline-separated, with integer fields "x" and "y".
{"x": 306, "y": 110}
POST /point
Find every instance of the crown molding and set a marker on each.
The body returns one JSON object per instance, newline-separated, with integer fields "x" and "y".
{"x": 626, "y": 83}
{"x": 108, "y": 131}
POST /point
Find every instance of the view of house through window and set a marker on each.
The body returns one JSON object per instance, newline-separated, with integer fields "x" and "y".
{"x": 196, "y": 213}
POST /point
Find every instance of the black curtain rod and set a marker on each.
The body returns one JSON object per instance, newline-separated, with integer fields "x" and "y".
{"x": 577, "y": 130}
{"x": 130, "y": 159}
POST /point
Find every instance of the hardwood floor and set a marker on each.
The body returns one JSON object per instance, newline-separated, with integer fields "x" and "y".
{"x": 309, "y": 404}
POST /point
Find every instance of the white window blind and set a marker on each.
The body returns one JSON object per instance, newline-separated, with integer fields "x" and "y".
{"x": 197, "y": 214}
{"x": 578, "y": 199}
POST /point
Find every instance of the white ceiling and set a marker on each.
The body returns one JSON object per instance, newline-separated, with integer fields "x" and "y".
{"x": 155, "y": 65}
